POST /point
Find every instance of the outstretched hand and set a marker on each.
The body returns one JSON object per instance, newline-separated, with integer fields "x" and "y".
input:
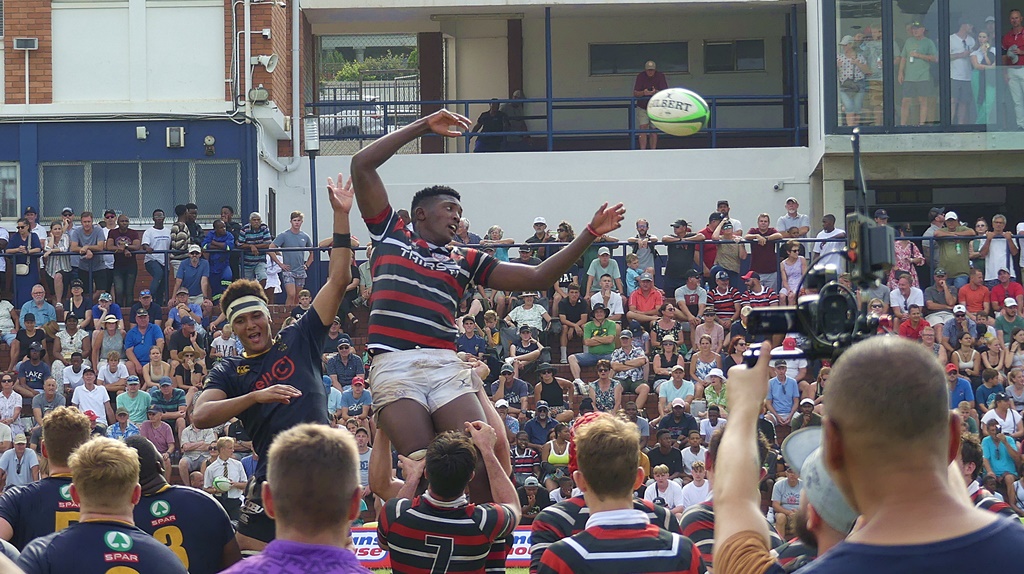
{"x": 748, "y": 386}
{"x": 448, "y": 124}
{"x": 278, "y": 393}
{"x": 607, "y": 219}
{"x": 341, "y": 195}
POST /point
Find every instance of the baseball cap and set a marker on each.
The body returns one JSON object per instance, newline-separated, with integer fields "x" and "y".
{"x": 35, "y": 347}
{"x": 940, "y": 272}
{"x": 722, "y": 276}
{"x": 506, "y": 368}
{"x": 678, "y": 367}
{"x": 77, "y": 283}
{"x": 791, "y": 198}
{"x": 716, "y": 216}
{"x": 344, "y": 340}
{"x": 524, "y": 328}
{"x": 188, "y": 320}
{"x": 20, "y": 438}
{"x": 645, "y": 277}
{"x": 133, "y": 380}
{"x": 145, "y": 293}
{"x": 152, "y": 410}
{"x": 716, "y": 372}
{"x": 604, "y": 251}
{"x": 1001, "y": 397}
{"x": 30, "y": 317}
{"x": 802, "y": 451}
{"x": 751, "y": 275}
{"x": 67, "y": 210}
{"x": 952, "y": 215}
{"x": 538, "y": 219}
{"x": 680, "y": 223}
{"x": 106, "y": 297}
{"x": 745, "y": 310}
{"x": 121, "y": 411}
{"x": 807, "y": 402}
{"x": 990, "y": 19}
{"x": 935, "y": 211}
{"x": 165, "y": 381}
{"x": 678, "y": 402}
{"x": 195, "y": 248}
{"x": 1009, "y": 302}
{"x": 789, "y": 344}
{"x": 626, "y": 334}
{"x": 950, "y": 368}
{"x": 359, "y": 380}
{"x": 846, "y": 40}
{"x": 92, "y": 416}
{"x": 542, "y": 405}
{"x": 531, "y": 481}
{"x": 650, "y": 65}
{"x": 501, "y": 403}
{"x": 30, "y": 209}
{"x": 916, "y": 24}
{"x": 181, "y": 290}
{"x": 959, "y": 309}
{"x": 668, "y": 339}
{"x": 881, "y": 214}
{"x": 599, "y": 306}
{"x": 143, "y": 311}
{"x": 525, "y": 249}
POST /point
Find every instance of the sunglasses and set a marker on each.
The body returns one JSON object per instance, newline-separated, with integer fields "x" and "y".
{"x": 876, "y": 306}
{"x": 22, "y": 227}
{"x": 741, "y": 344}
{"x": 603, "y": 370}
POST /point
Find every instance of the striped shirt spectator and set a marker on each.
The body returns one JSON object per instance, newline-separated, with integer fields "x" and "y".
{"x": 249, "y": 236}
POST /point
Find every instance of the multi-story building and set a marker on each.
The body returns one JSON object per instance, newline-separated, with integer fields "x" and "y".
{"x": 112, "y": 89}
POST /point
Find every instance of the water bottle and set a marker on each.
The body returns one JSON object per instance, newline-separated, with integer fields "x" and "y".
{"x": 911, "y": 59}
{"x": 959, "y": 249}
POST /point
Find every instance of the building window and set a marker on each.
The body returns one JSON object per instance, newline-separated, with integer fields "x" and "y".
{"x": 9, "y": 190}
{"x": 734, "y": 56}
{"x": 138, "y": 188}
{"x": 610, "y": 59}
{"x": 1, "y": 18}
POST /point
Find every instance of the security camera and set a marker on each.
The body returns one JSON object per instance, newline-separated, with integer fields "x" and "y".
{"x": 779, "y": 185}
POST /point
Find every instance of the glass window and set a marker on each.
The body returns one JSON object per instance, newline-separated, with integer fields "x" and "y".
{"x": 166, "y": 184}
{"x": 216, "y": 184}
{"x": 116, "y": 186}
{"x": 9, "y": 190}
{"x": 973, "y": 56}
{"x": 917, "y": 88}
{"x": 734, "y": 56}
{"x": 607, "y": 59}
{"x": 60, "y": 186}
{"x": 860, "y": 63}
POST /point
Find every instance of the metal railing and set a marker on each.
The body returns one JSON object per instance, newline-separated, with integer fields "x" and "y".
{"x": 396, "y": 114}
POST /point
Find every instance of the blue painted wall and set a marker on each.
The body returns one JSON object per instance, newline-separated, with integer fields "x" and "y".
{"x": 33, "y": 143}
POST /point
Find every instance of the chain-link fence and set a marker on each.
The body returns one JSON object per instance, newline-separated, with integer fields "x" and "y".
{"x": 359, "y": 74}
{"x": 137, "y": 188}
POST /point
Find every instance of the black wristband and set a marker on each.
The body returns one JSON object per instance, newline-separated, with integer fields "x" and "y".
{"x": 342, "y": 240}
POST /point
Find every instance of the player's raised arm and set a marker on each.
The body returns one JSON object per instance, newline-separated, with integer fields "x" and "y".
{"x": 339, "y": 272}
{"x": 370, "y": 192}
{"x": 519, "y": 277}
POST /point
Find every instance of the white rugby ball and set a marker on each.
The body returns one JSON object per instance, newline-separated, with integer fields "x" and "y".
{"x": 678, "y": 111}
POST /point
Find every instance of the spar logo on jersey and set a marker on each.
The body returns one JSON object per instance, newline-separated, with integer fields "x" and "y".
{"x": 118, "y": 541}
{"x": 160, "y": 509}
{"x": 65, "y": 492}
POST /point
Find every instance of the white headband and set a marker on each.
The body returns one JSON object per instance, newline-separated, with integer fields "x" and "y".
{"x": 247, "y": 304}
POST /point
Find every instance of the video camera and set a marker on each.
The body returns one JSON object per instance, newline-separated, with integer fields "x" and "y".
{"x": 830, "y": 317}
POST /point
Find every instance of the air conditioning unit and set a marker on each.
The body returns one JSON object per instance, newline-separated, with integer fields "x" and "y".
{"x": 26, "y": 43}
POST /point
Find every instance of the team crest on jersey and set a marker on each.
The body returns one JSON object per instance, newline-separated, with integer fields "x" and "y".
{"x": 118, "y": 541}
{"x": 281, "y": 346}
{"x": 242, "y": 370}
{"x": 160, "y": 508}
{"x": 65, "y": 492}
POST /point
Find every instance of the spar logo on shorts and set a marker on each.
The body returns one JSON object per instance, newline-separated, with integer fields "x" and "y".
{"x": 281, "y": 370}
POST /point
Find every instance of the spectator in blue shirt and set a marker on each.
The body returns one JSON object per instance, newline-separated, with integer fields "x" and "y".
{"x": 222, "y": 243}
{"x": 139, "y": 341}
{"x": 783, "y": 394}
{"x": 38, "y": 306}
{"x": 343, "y": 366}
{"x": 355, "y": 401}
{"x": 540, "y": 426}
{"x": 249, "y": 464}
{"x": 194, "y": 275}
{"x": 104, "y": 308}
{"x": 959, "y": 387}
{"x": 471, "y": 342}
{"x": 510, "y": 389}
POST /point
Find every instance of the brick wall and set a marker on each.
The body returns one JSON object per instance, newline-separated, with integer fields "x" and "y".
{"x": 28, "y": 19}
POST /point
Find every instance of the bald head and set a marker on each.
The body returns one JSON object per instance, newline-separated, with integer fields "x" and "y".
{"x": 889, "y": 393}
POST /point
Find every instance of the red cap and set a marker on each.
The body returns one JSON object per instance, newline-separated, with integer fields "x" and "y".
{"x": 358, "y": 379}
{"x": 92, "y": 416}
{"x": 789, "y": 344}
{"x": 951, "y": 368}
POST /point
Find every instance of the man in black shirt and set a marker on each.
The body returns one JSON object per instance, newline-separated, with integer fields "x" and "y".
{"x": 573, "y": 313}
{"x": 679, "y": 422}
{"x": 667, "y": 454}
{"x": 491, "y": 121}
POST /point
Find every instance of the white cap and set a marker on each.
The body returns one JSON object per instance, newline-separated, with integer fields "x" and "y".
{"x": 501, "y": 403}
{"x": 1009, "y": 302}
{"x": 846, "y": 40}
{"x": 952, "y": 215}
{"x": 604, "y": 251}
{"x": 807, "y": 402}
{"x": 716, "y": 372}
{"x": 537, "y": 220}
{"x": 959, "y": 309}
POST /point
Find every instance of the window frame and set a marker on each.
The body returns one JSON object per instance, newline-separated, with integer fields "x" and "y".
{"x": 735, "y": 69}
{"x": 17, "y": 190}
{"x": 640, "y": 63}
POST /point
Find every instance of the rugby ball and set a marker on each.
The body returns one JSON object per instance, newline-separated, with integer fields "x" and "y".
{"x": 222, "y": 483}
{"x": 678, "y": 111}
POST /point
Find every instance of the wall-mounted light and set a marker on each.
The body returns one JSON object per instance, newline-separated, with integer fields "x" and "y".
{"x": 141, "y": 133}
{"x": 311, "y": 129}
{"x": 259, "y": 95}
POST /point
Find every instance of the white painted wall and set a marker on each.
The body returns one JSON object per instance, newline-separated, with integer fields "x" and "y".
{"x": 138, "y": 51}
{"x": 511, "y": 189}
{"x": 93, "y": 66}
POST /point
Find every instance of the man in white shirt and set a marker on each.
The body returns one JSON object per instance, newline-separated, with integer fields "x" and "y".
{"x": 830, "y": 250}
{"x": 699, "y": 489}
{"x": 1010, "y": 421}
{"x": 713, "y": 422}
{"x": 92, "y": 397}
{"x": 902, "y": 297}
{"x": 228, "y": 467}
{"x": 998, "y": 251}
{"x": 157, "y": 238}
{"x": 961, "y": 45}
{"x": 693, "y": 453}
